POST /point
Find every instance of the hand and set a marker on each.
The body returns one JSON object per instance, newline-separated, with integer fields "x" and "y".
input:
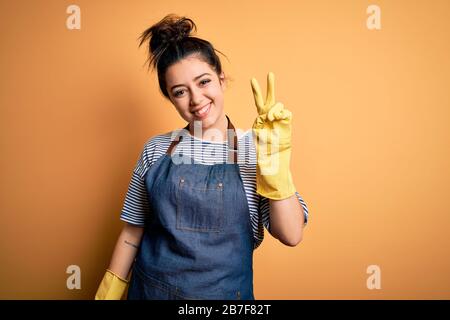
{"x": 272, "y": 130}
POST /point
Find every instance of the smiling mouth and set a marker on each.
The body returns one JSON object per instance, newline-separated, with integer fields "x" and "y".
{"x": 203, "y": 111}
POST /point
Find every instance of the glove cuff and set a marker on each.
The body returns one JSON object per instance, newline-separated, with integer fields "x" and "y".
{"x": 116, "y": 275}
{"x": 277, "y": 187}
{"x": 112, "y": 287}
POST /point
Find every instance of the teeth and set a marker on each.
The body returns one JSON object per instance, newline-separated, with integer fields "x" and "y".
{"x": 203, "y": 110}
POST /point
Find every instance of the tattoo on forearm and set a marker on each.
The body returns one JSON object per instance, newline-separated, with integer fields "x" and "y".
{"x": 131, "y": 244}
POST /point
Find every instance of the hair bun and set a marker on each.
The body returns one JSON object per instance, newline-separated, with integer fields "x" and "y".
{"x": 171, "y": 29}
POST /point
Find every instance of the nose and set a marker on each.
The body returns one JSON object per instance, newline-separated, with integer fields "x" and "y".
{"x": 196, "y": 97}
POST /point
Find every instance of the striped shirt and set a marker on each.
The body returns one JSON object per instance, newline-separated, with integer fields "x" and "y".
{"x": 136, "y": 208}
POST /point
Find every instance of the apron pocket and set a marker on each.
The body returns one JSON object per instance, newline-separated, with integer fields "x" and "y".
{"x": 200, "y": 209}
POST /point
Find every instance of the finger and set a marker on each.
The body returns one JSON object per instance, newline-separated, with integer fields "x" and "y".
{"x": 274, "y": 111}
{"x": 286, "y": 116}
{"x": 270, "y": 98}
{"x": 259, "y": 121}
{"x": 257, "y": 95}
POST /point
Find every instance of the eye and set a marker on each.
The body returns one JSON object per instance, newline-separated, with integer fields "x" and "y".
{"x": 205, "y": 81}
{"x": 177, "y": 93}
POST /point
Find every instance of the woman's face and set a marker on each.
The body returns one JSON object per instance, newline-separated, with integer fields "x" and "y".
{"x": 197, "y": 92}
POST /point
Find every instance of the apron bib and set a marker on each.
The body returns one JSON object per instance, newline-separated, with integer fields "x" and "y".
{"x": 198, "y": 240}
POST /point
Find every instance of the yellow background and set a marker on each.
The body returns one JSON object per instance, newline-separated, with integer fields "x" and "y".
{"x": 370, "y": 141}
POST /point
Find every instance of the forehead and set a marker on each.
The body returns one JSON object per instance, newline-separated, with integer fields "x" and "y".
{"x": 186, "y": 70}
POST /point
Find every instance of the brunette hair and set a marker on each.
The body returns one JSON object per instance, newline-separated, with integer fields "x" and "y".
{"x": 170, "y": 40}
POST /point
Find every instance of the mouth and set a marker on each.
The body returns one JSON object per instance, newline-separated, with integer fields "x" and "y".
{"x": 203, "y": 112}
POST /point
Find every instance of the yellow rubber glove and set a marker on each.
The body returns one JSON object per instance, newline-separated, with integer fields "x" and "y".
{"x": 112, "y": 287}
{"x": 272, "y": 130}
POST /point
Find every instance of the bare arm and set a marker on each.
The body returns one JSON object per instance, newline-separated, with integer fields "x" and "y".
{"x": 125, "y": 250}
{"x": 287, "y": 220}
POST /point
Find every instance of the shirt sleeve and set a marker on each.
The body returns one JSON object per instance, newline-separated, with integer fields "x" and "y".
{"x": 135, "y": 208}
{"x": 264, "y": 210}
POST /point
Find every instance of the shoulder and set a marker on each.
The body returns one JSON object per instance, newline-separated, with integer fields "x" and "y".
{"x": 160, "y": 141}
{"x": 155, "y": 147}
{"x": 245, "y": 137}
{"x": 246, "y": 144}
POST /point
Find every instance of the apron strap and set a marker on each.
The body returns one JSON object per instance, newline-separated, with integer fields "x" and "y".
{"x": 232, "y": 137}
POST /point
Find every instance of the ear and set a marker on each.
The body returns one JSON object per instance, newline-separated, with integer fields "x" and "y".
{"x": 222, "y": 81}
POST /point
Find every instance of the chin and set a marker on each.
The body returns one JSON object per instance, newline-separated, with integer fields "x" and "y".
{"x": 208, "y": 122}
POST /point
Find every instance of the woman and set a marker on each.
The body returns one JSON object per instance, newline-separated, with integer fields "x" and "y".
{"x": 199, "y": 198}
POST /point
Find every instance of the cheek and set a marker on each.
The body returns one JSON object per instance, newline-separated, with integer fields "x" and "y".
{"x": 182, "y": 108}
{"x": 217, "y": 94}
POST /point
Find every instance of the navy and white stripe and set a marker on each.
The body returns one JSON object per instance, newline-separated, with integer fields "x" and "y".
{"x": 136, "y": 208}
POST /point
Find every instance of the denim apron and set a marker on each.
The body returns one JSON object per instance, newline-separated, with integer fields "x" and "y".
{"x": 198, "y": 240}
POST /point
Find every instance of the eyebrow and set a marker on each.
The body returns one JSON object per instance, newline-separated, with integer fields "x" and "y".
{"x": 180, "y": 85}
